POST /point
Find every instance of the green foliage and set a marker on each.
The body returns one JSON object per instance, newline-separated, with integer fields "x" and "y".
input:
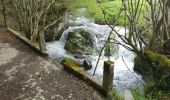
{"x": 138, "y": 95}
{"x": 56, "y": 11}
{"x": 152, "y": 95}
{"x": 160, "y": 95}
{"x": 155, "y": 69}
{"x": 111, "y": 10}
{"x": 94, "y": 10}
{"x": 116, "y": 95}
{"x": 149, "y": 88}
{"x": 158, "y": 59}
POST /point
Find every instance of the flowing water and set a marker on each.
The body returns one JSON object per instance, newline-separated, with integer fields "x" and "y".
{"x": 123, "y": 78}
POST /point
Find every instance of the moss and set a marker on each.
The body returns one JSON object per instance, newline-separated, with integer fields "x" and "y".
{"x": 108, "y": 63}
{"x": 159, "y": 59}
{"x": 84, "y": 34}
{"x": 154, "y": 68}
{"x": 79, "y": 42}
{"x": 72, "y": 66}
{"x": 88, "y": 51}
{"x": 154, "y": 93}
{"x": 70, "y": 62}
{"x": 72, "y": 47}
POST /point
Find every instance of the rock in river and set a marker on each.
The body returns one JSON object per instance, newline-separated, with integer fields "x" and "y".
{"x": 87, "y": 64}
{"x": 79, "y": 42}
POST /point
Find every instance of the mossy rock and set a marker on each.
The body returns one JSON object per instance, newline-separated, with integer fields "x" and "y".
{"x": 155, "y": 67}
{"x": 79, "y": 42}
{"x": 72, "y": 65}
{"x": 70, "y": 62}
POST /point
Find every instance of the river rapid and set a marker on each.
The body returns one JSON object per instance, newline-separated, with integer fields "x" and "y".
{"x": 123, "y": 78}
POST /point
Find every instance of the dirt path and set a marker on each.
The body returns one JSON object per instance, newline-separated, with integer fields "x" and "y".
{"x": 26, "y": 75}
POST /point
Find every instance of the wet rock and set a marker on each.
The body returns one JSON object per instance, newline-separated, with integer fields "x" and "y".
{"x": 78, "y": 51}
{"x": 79, "y": 56}
{"x": 79, "y": 42}
{"x": 87, "y": 64}
{"x": 70, "y": 61}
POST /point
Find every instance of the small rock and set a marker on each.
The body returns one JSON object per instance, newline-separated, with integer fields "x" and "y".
{"x": 87, "y": 64}
{"x": 70, "y": 95}
{"x": 57, "y": 97}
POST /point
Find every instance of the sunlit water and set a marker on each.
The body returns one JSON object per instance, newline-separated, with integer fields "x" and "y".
{"x": 123, "y": 78}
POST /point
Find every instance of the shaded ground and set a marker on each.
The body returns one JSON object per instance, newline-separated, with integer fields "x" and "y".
{"x": 26, "y": 75}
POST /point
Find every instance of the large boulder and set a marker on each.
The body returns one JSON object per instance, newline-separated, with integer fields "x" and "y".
{"x": 155, "y": 68}
{"x": 79, "y": 42}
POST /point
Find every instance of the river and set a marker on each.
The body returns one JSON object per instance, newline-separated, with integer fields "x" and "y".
{"x": 123, "y": 78}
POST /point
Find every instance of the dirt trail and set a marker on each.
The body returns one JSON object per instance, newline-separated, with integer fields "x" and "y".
{"x": 26, "y": 75}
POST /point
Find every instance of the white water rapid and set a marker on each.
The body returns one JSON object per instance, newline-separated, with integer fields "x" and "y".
{"x": 123, "y": 78}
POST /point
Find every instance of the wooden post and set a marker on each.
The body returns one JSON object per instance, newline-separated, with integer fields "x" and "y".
{"x": 108, "y": 79}
{"x": 42, "y": 42}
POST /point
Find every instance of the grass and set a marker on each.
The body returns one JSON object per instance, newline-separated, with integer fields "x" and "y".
{"x": 138, "y": 95}
{"x": 95, "y": 10}
{"x": 156, "y": 95}
{"x": 116, "y": 95}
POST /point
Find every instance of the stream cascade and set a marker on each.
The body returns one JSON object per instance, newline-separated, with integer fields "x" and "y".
{"x": 123, "y": 78}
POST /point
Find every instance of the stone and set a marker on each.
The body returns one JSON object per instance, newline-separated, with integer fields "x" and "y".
{"x": 87, "y": 64}
{"x": 157, "y": 64}
{"x": 79, "y": 42}
{"x": 70, "y": 61}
